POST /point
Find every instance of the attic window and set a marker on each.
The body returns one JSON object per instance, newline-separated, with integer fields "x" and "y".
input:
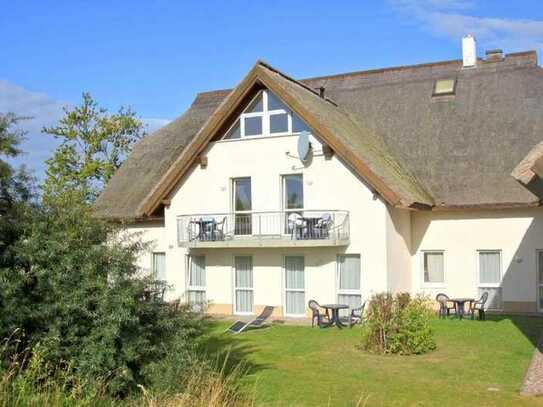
{"x": 266, "y": 115}
{"x": 444, "y": 87}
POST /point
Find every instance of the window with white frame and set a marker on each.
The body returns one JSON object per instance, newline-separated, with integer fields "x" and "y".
{"x": 266, "y": 115}
{"x": 158, "y": 266}
{"x": 490, "y": 276}
{"x": 243, "y": 284}
{"x": 196, "y": 280}
{"x": 433, "y": 267}
{"x": 294, "y": 285}
{"x": 348, "y": 280}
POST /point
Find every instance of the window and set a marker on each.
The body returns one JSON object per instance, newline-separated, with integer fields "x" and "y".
{"x": 293, "y": 191}
{"x": 490, "y": 276}
{"x": 158, "y": 267}
{"x": 433, "y": 267}
{"x": 444, "y": 87}
{"x": 196, "y": 280}
{"x": 348, "y": 280}
{"x": 266, "y": 115}
{"x": 234, "y": 132}
{"x": 294, "y": 285}
{"x": 253, "y": 126}
{"x": 242, "y": 206}
{"x": 293, "y": 199}
{"x": 243, "y": 284}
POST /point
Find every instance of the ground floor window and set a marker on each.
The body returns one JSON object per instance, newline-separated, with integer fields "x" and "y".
{"x": 294, "y": 285}
{"x": 197, "y": 280}
{"x": 433, "y": 268}
{"x": 243, "y": 284}
{"x": 158, "y": 266}
{"x": 490, "y": 275}
{"x": 348, "y": 280}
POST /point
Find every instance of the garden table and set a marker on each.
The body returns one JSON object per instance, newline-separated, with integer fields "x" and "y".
{"x": 459, "y": 302}
{"x": 334, "y": 320}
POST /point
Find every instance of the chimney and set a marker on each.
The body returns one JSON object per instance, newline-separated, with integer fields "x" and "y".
{"x": 469, "y": 52}
{"x": 494, "y": 55}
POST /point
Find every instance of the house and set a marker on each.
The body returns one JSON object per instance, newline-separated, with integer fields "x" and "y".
{"x": 422, "y": 178}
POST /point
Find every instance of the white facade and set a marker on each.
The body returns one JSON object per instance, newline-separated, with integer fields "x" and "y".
{"x": 390, "y": 242}
{"x": 365, "y": 247}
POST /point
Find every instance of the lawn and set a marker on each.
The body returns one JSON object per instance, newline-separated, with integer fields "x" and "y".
{"x": 476, "y": 363}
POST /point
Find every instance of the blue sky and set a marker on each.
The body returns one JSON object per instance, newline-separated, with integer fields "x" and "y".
{"x": 156, "y": 55}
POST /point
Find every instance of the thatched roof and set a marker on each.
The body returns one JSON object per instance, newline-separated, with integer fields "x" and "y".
{"x": 448, "y": 151}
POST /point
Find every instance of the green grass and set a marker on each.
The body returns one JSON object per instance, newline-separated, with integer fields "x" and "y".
{"x": 476, "y": 363}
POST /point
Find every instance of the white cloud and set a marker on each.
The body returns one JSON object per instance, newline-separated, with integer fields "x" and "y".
{"x": 41, "y": 111}
{"x": 451, "y": 18}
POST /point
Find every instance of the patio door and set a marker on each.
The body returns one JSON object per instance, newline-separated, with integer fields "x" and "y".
{"x": 243, "y": 284}
{"x": 540, "y": 280}
{"x": 294, "y": 286}
{"x": 242, "y": 204}
{"x": 349, "y": 281}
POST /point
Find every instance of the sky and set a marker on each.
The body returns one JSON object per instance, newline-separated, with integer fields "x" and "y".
{"x": 155, "y": 56}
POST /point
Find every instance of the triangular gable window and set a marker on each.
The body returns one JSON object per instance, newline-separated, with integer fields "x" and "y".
{"x": 266, "y": 115}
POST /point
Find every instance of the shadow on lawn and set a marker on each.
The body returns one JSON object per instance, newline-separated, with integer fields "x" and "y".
{"x": 530, "y": 326}
{"x": 231, "y": 352}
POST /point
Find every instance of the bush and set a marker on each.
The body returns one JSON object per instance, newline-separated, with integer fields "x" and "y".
{"x": 29, "y": 380}
{"x": 78, "y": 297}
{"x": 398, "y": 324}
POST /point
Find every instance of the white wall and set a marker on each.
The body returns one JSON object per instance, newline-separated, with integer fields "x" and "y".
{"x": 518, "y": 233}
{"x": 390, "y": 241}
{"x": 328, "y": 185}
{"x": 398, "y": 248}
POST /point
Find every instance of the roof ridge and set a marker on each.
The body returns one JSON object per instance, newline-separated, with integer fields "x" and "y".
{"x": 371, "y": 71}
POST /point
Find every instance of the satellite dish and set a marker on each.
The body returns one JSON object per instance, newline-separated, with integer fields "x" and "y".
{"x": 304, "y": 146}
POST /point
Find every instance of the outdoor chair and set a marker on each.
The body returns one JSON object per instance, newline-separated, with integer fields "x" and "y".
{"x": 219, "y": 229}
{"x": 208, "y": 225}
{"x": 479, "y": 306}
{"x": 323, "y": 225}
{"x": 322, "y": 318}
{"x": 444, "y": 305}
{"x": 239, "y": 326}
{"x": 295, "y": 224}
{"x": 357, "y": 315}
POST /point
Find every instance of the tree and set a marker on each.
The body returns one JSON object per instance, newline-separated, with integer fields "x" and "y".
{"x": 93, "y": 146}
{"x": 15, "y": 186}
{"x": 74, "y": 288}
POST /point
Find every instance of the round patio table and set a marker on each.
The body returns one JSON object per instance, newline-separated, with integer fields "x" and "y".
{"x": 459, "y": 302}
{"x": 335, "y": 314}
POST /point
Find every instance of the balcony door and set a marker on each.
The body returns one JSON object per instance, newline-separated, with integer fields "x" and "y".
{"x": 242, "y": 204}
{"x": 293, "y": 199}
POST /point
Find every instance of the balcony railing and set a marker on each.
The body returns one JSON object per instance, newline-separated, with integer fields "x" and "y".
{"x": 251, "y": 229}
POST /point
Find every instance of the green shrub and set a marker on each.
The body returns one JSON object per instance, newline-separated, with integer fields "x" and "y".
{"x": 79, "y": 296}
{"x": 398, "y": 324}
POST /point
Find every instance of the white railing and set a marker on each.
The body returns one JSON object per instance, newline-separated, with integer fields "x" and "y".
{"x": 289, "y": 225}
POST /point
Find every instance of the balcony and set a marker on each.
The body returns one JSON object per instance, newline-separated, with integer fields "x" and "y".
{"x": 301, "y": 228}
